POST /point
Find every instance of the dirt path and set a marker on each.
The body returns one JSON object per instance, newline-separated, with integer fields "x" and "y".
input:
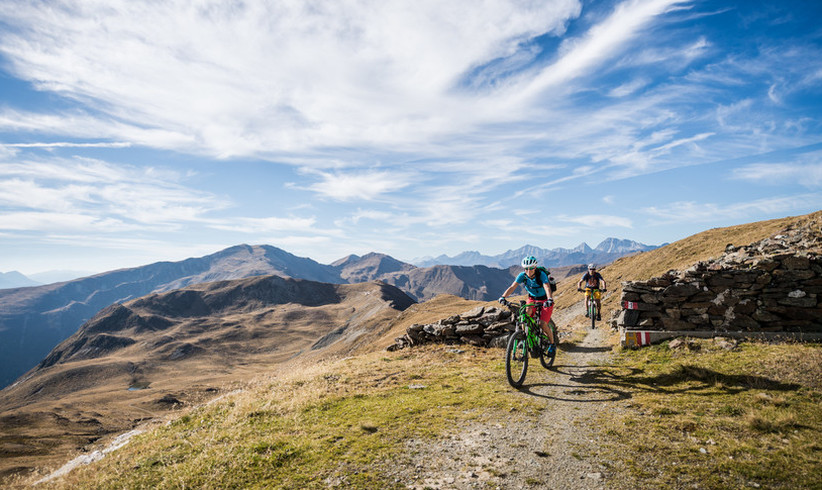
{"x": 558, "y": 449}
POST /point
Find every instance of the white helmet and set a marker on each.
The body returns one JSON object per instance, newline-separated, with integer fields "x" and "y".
{"x": 529, "y": 261}
{"x": 592, "y": 266}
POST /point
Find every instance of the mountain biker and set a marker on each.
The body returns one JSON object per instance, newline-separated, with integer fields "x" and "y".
{"x": 593, "y": 281}
{"x": 539, "y": 292}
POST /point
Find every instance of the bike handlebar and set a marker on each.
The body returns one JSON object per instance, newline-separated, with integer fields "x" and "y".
{"x": 516, "y": 308}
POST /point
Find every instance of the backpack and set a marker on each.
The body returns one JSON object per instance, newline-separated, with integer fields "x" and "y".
{"x": 551, "y": 282}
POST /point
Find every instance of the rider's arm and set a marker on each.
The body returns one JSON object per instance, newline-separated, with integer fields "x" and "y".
{"x": 547, "y": 287}
{"x": 510, "y": 289}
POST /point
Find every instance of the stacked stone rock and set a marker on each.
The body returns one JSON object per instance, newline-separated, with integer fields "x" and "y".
{"x": 482, "y": 326}
{"x": 771, "y": 285}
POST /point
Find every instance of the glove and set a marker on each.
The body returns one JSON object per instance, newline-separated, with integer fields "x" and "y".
{"x": 502, "y": 301}
{"x": 549, "y": 302}
{"x": 580, "y": 290}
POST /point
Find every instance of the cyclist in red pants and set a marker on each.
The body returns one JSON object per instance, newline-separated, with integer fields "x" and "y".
{"x": 537, "y": 284}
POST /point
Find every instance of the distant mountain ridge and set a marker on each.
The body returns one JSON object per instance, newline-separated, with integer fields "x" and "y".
{"x": 14, "y": 279}
{"x": 606, "y": 252}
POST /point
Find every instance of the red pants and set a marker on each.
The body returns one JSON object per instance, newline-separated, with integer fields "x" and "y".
{"x": 545, "y": 312}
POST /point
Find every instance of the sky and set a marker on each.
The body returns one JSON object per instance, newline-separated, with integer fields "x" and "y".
{"x": 135, "y": 131}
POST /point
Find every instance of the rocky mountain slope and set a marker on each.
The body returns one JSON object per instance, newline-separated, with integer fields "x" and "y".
{"x": 146, "y": 356}
{"x": 34, "y": 320}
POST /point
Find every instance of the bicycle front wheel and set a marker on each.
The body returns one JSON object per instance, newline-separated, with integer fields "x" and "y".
{"x": 547, "y": 358}
{"x": 516, "y": 359}
{"x": 594, "y": 314}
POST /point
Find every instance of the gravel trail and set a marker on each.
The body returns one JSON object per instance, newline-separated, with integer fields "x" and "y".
{"x": 556, "y": 449}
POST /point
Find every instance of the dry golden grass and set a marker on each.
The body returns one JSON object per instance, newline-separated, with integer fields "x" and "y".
{"x": 719, "y": 419}
{"x": 343, "y": 420}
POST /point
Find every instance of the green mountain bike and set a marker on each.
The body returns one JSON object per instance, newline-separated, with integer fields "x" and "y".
{"x": 527, "y": 339}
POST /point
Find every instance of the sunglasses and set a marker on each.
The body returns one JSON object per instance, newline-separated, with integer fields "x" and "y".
{"x": 530, "y": 268}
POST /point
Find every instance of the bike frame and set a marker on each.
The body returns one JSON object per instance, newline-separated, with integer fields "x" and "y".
{"x": 526, "y": 341}
{"x": 529, "y": 324}
{"x": 591, "y": 304}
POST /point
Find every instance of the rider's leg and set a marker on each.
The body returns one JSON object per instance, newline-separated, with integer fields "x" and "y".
{"x": 545, "y": 318}
{"x": 546, "y": 329}
{"x": 587, "y": 299}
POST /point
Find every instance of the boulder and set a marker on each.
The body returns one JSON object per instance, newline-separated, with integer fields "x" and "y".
{"x": 470, "y": 329}
{"x": 475, "y": 313}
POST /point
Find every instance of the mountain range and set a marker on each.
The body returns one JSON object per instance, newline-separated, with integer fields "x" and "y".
{"x": 607, "y": 251}
{"x": 33, "y": 320}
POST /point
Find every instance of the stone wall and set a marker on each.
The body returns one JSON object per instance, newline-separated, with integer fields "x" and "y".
{"x": 483, "y": 326}
{"x": 774, "y": 285}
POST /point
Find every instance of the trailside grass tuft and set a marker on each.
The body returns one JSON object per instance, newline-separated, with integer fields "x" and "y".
{"x": 338, "y": 423}
{"x": 749, "y": 417}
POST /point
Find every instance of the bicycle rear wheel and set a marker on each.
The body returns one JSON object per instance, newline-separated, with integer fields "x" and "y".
{"x": 516, "y": 359}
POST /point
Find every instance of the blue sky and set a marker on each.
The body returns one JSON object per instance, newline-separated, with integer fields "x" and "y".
{"x": 133, "y": 131}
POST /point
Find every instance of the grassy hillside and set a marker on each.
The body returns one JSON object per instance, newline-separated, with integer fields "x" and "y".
{"x": 677, "y": 255}
{"x": 706, "y": 417}
{"x": 346, "y": 421}
{"x": 709, "y": 418}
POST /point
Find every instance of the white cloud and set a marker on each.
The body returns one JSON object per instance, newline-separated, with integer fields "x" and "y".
{"x": 67, "y": 144}
{"x": 70, "y": 194}
{"x": 358, "y": 185}
{"x": 265, "y": 225}
{"x": 694, "y": 212}
{"x": 365, "y": 214}
{"x": 497, "y": 223}
{"x": 598, "y": 220}
{"x": 803, "y": 174}
{"x": 261, "y": 77}
{"x": 600, "y": 43}
{"x": 56, "y": 222}
{"x": 321, "y": 85}
{"x": 629, "y": 88}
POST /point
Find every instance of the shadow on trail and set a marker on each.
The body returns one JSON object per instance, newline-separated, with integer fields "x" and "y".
{"x": 582, "y": 349}
{"x": 618, "y": 383}
{"x": 575, "y": 393}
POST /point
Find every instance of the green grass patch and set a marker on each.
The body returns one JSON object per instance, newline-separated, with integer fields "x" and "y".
{"x": 345, "y": 422}
{"x": 718, "y": 419}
